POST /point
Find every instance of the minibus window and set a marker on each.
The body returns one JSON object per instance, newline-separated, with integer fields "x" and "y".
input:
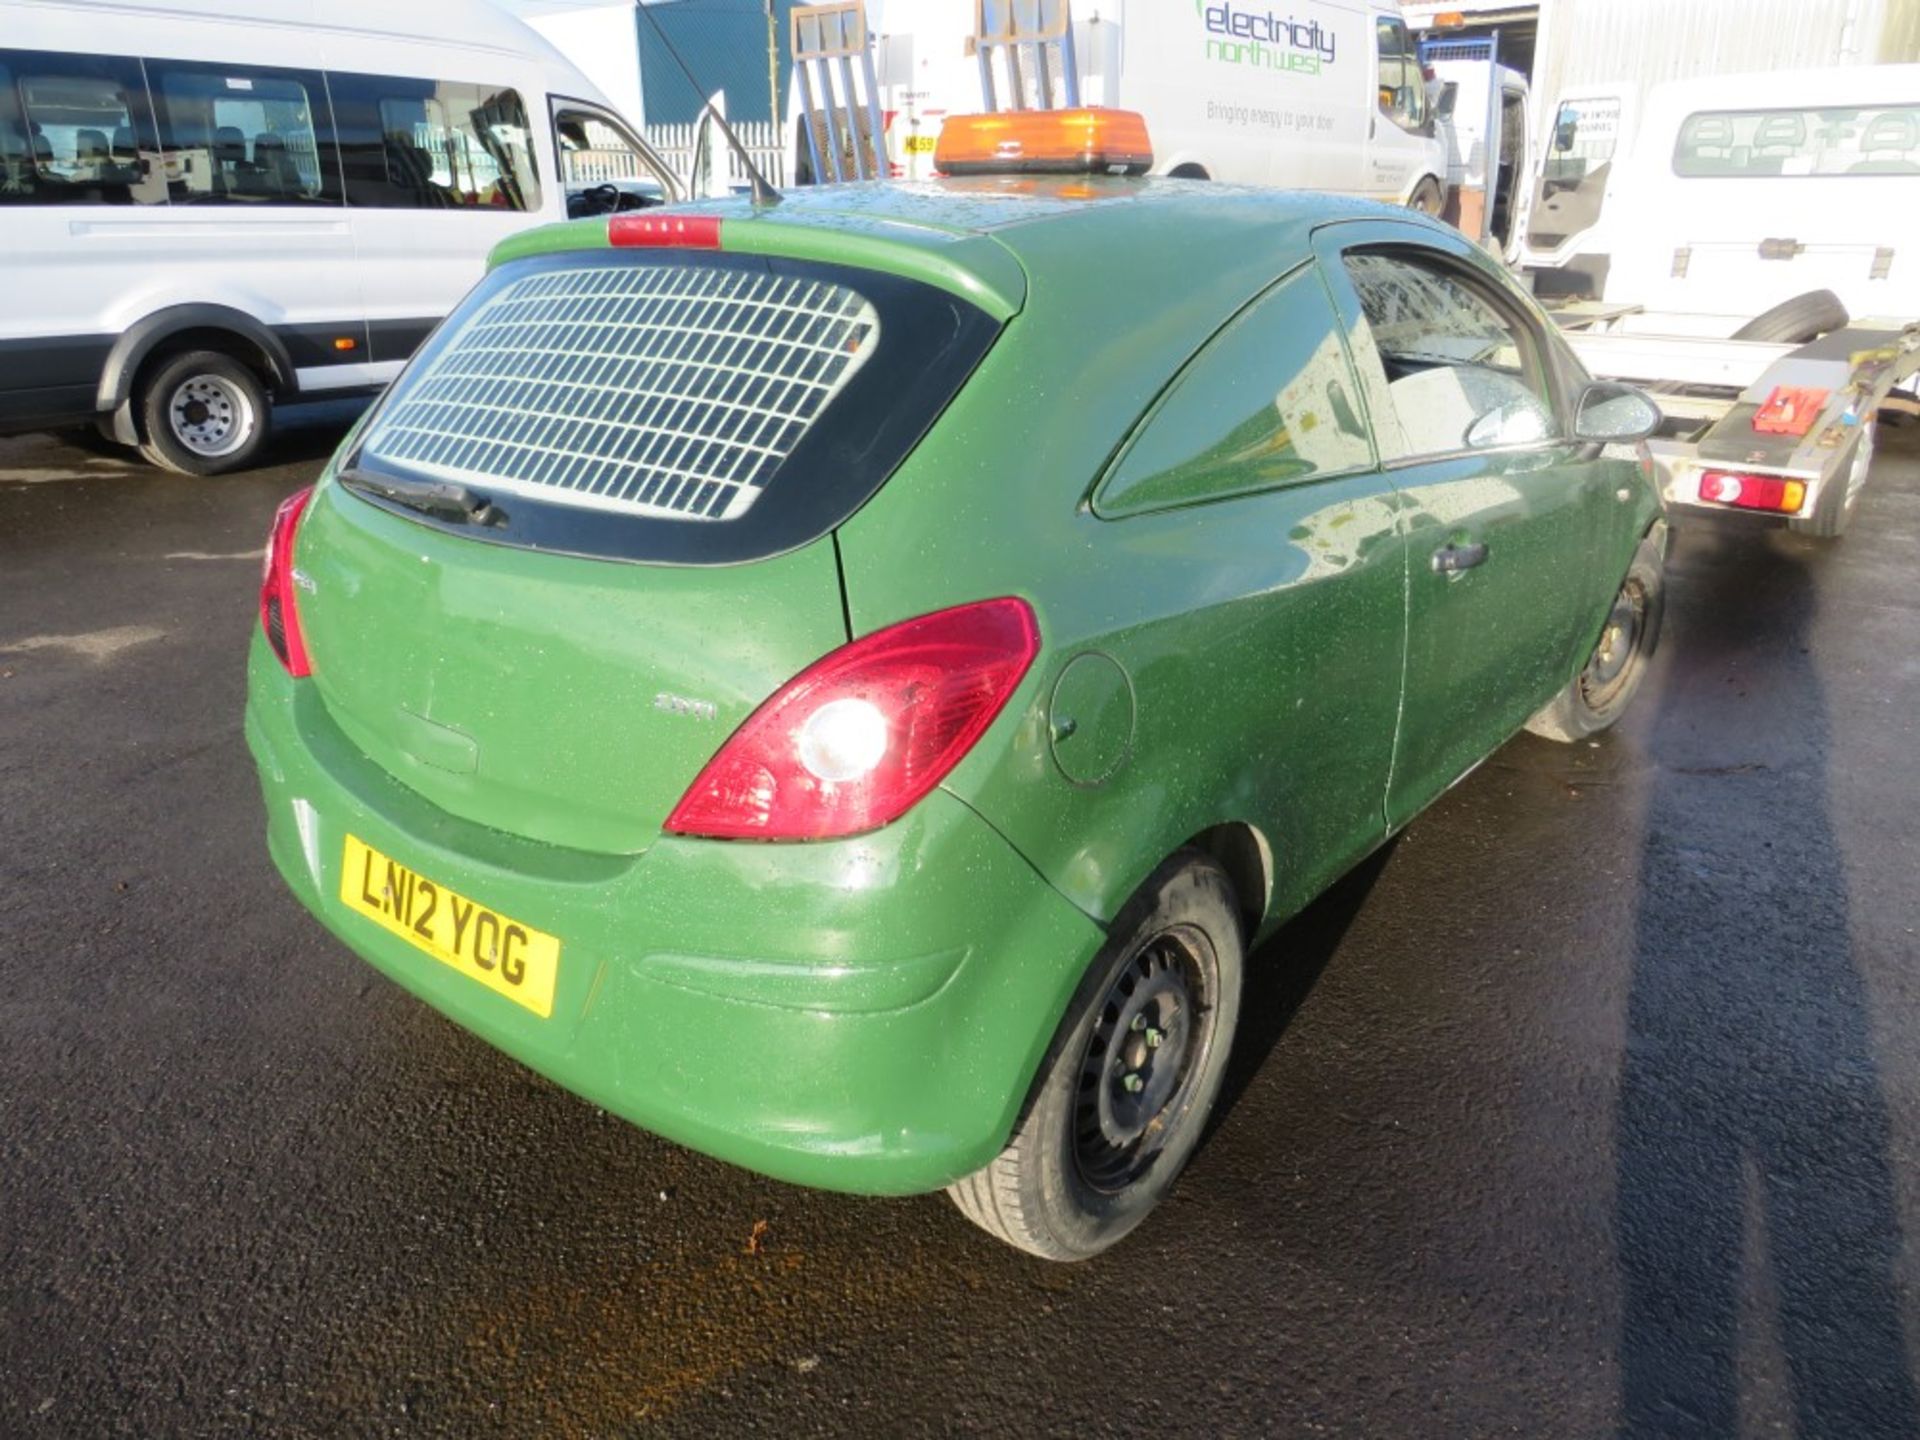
{"x": 434, "y": 145}
{"x": 243, "y": 134}
{"x": 75, "y": 130}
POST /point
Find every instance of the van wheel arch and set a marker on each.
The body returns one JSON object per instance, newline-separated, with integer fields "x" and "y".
{"x": 180, "y": 328}
{"x": 1427, "y": 197}
{"x": 1189, "y": 170}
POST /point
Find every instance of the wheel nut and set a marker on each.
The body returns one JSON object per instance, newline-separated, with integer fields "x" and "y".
{"x": 1139, "y": 1023}
{"x": 1154, "y": 1037}
{"x": 1132, "y": 1083}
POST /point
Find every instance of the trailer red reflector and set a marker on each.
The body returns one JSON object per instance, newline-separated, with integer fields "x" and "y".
{"x": 1753, "y": 492}
{"x": 681, "y": 232}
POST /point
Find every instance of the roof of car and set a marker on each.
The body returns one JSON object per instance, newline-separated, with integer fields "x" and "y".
{"x": 989, "y": 237}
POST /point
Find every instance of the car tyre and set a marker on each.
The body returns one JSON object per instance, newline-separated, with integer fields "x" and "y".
{"x": 1131, "y": 1077}
{"x": 1796, "y": 321}
{"x": 203, "y": 413}
{"x": 1605, "y": 686}
{"x": 1833, "y": 511}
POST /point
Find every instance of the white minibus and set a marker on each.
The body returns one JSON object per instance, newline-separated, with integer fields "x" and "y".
{"x": 210, "y": 208}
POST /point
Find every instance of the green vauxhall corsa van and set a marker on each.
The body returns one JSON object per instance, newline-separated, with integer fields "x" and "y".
{"x": 843, "y": 684}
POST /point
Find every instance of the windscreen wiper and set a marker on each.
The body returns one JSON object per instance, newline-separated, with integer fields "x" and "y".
{"x": 443, "y": 499}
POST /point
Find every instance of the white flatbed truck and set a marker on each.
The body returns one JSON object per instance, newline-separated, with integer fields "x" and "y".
{"x": 1754, "y": 427}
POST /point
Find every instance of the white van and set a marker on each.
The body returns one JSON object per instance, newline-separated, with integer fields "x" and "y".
{"x": 1730, "y": 194}
{"x": 207, "y": 208}
{"x": 1325, "y": 95}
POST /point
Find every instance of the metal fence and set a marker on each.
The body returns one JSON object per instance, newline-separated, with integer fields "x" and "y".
{"x": 762, "y": 140}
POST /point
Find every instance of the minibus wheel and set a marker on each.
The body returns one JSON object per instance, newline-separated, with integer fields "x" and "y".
{"x": 203, "y": 413}
{"x": 1427, "y": 198}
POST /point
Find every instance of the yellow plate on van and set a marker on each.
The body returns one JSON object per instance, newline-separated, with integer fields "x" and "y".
{"x": 507, "y": 957}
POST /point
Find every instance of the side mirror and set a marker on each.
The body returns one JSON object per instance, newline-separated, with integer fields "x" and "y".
{"x": 1614, "y": 414}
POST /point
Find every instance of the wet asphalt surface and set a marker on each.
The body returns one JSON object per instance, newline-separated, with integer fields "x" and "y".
{"x": 1591, "y": 1107}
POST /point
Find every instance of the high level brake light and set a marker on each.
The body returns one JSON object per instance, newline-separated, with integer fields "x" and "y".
{"x": 857, "y": 738}
{"x": 654, "y": 230}
{"x": 279, "y": 609}
{"x": 1753, "y": 492}
{"x": 1085, "y": 141}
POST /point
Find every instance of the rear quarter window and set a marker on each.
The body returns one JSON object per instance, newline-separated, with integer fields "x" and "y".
{"x": 676, "y": 407}
{"x": 1270, "y": 401}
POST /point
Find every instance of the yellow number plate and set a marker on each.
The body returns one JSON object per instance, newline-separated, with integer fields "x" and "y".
{"x": 515, "y": 960}
{"x": 920, "y": 144}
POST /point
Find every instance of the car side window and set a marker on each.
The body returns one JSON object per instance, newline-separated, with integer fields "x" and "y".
{"x": 1460, "y": 374}
{"x": 1270, "y": 401}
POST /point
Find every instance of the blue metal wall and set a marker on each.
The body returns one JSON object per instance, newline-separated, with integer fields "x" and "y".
{"x": 724, "y": 43}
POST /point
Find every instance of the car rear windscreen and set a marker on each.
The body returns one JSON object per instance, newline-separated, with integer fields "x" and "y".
{"x": 674, "y": 406}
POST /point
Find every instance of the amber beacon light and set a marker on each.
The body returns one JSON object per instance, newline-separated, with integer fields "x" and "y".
{"x": 1087, "y": 141}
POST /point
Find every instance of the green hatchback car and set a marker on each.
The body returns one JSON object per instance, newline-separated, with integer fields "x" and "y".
{"x": 844, "y": 684}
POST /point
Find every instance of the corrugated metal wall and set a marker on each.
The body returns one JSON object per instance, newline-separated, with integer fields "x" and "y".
{"x": 1900, "y": 33}
{"x": 1648, "y": 41}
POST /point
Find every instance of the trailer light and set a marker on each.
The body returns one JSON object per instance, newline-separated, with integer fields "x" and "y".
{"x": 1087, "y": 141}
{"x": 677, "y": 232}
{"x": 1753, "y": 492}
{"x": 345, "y": 342}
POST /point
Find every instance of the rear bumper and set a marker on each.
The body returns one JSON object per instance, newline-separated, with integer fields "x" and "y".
{"x": 859, "y": 1015}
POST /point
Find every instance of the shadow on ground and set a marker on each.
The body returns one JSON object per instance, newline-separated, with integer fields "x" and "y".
{"x": 1752, "y": 1125}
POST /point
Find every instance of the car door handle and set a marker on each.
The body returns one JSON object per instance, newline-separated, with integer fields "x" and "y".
{"x": 1452, "y": 559}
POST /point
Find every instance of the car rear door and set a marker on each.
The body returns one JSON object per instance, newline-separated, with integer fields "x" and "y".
{"x": 1500, "y": 514}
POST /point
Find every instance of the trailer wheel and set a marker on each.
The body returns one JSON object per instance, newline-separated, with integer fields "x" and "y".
{"x": 1427, "y": 198}
{"x": 1833, "y": 511}
{"x": 1796, "y": 321}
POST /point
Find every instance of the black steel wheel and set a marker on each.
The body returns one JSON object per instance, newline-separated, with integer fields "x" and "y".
{"x": 1124, "y": 1094}
{"x": 1606, "y": 684}
{"x": 1147, "y": 1048}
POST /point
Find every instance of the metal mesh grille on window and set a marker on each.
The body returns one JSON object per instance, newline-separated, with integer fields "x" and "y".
{"x": 647, "y": 389}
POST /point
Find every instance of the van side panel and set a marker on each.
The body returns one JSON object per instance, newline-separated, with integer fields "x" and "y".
{"x": 246, "y": 207}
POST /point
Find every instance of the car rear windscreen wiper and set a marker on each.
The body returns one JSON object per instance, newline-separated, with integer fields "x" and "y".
{"x": 441, "y": 498}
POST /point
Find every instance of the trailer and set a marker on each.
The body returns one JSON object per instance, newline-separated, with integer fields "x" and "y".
{"x": 1752, "y": 427}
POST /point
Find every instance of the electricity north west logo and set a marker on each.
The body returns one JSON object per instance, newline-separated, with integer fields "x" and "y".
{"x": 1262, "y": 38}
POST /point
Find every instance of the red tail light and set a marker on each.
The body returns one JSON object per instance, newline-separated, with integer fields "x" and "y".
{"x": 1753, "y": 492}
{"x": 279, "y": 611}
{"x": 857, "y": 738}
